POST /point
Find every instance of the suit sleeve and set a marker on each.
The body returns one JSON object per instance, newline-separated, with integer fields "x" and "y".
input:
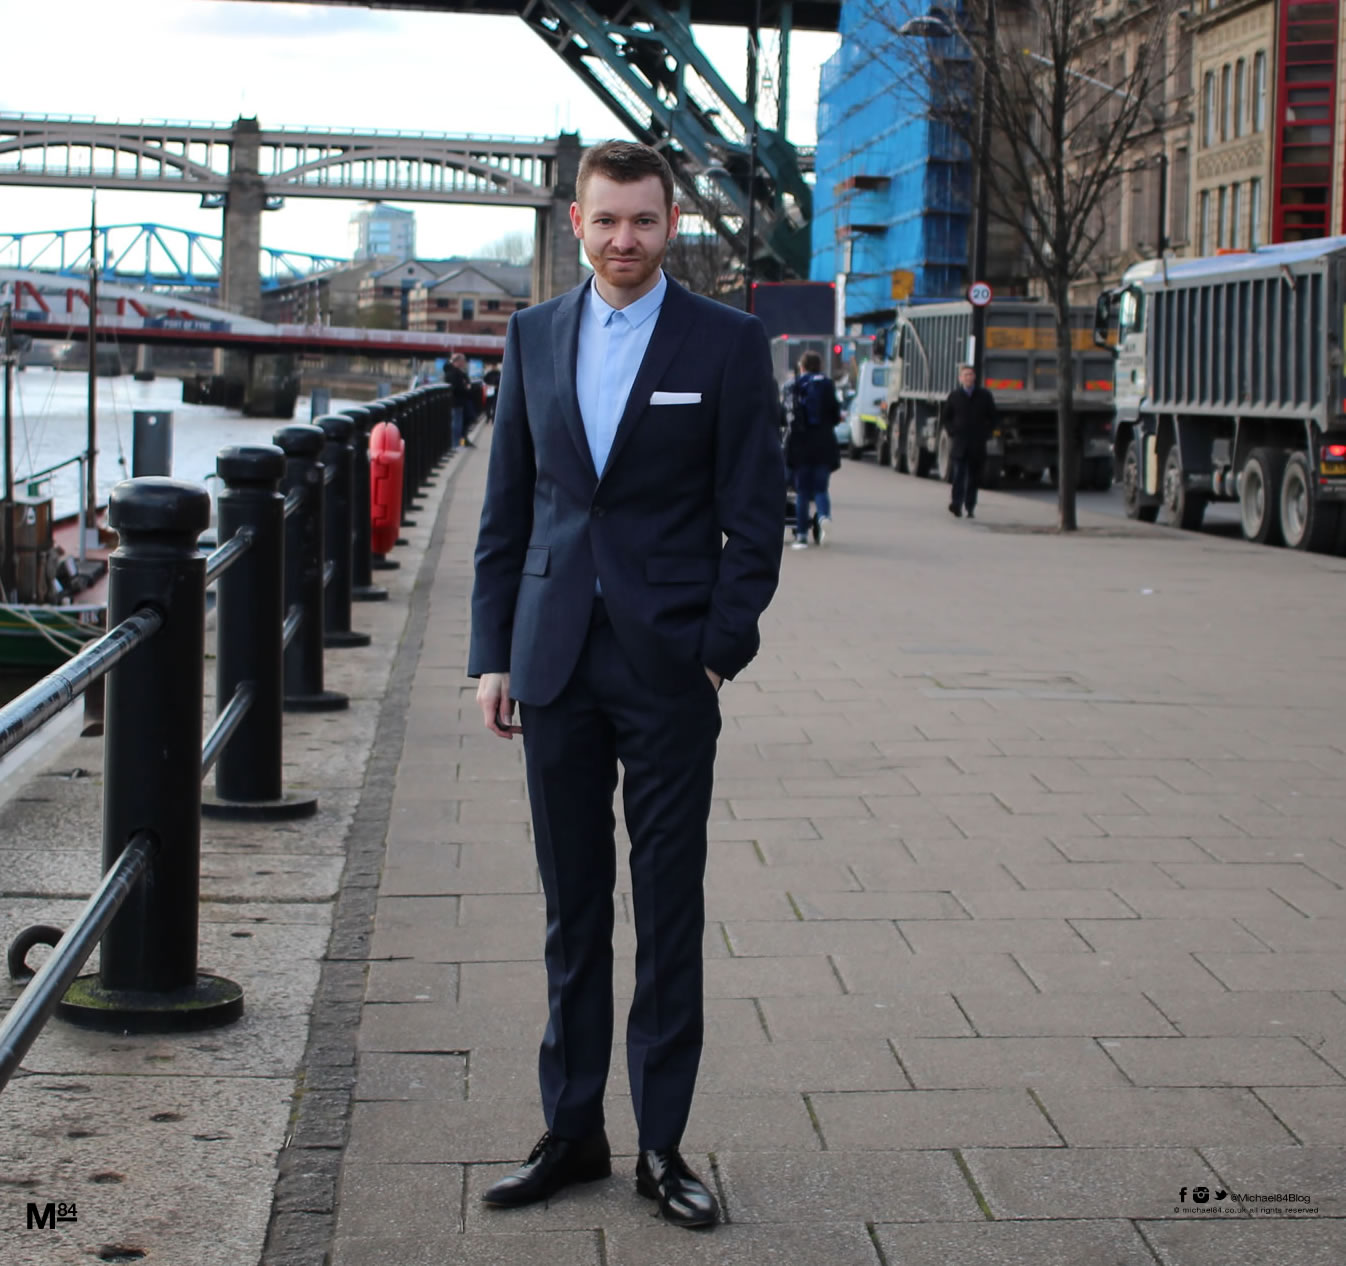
{"x": 749, "y": 502}
{"x": 506, "y": 519}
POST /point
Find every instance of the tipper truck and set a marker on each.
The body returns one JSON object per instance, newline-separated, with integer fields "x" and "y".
{"x": 1229, "y": 387}
{"x": 926, "y": 345}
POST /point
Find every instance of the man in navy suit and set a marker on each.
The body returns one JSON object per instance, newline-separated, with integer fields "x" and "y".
{"x": 630, "y": 540}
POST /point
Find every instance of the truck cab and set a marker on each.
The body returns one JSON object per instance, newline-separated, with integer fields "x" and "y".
{"x": 1120, "y": 325}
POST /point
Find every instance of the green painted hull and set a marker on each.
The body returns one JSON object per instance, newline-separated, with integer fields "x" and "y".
{"x": 34, "y": 637}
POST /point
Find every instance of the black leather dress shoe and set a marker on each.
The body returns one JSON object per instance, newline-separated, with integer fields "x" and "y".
{"x": 554, "y": 1163}
{"x": 683, "y": 1198}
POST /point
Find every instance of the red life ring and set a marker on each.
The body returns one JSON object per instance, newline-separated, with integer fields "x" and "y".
{"x": 387, "y": 457}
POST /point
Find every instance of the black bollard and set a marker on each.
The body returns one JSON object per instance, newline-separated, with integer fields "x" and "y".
{"x": 338, "y": 534}
{"x": 147, "y": 978}
{"x": 249, "y": 613}
{"x": 363, "y": 588}
{"x": 304, "y": 564}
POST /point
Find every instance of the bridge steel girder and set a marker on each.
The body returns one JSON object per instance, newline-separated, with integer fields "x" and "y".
{"x": 172, "y": 257}
{"x": 648, "y": 69}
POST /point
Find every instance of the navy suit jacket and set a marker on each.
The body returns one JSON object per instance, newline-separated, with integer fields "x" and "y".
{"x": 682, "y": 528}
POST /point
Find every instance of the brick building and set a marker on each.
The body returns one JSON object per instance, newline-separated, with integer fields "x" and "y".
{"x": 475, "y": 298}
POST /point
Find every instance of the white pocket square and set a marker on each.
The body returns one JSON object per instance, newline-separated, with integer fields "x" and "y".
{"x": 676, "y": 397}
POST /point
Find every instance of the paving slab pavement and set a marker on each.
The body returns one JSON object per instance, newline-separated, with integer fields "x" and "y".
{"x": 1027, "y": 918}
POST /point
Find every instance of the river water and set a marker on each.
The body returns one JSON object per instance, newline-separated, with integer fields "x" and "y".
{"x": 50, "y": 412}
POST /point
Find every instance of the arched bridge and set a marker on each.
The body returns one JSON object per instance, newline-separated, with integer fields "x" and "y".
{"x": 200, "y": 158}
{"x": 149, "y": 255}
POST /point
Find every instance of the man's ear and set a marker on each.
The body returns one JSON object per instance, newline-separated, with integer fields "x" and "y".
{"x": 673, "y": 213}
{"x": 576, "y": 220}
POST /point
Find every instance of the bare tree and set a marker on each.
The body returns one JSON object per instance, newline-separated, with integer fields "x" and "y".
{"x": 702, "y": 260}
{"x": 515, "y": 247}
{"x": 1052, "y": 99}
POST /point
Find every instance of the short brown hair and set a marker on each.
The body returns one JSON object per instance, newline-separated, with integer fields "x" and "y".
{"x": 811, "y": 363}
{"x": 625, "y": 162}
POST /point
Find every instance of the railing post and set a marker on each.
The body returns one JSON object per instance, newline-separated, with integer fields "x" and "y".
{"x": 249, "y": 612}
{"x": 363, "y": 588}
{"x": 339, "y": 546}
{"x": 304, "y": 563}
{"x": 147, "y": 979}
{"x": 406, "y": 425}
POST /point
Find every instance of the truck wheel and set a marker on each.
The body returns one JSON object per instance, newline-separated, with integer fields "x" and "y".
{"x": 884, "y": 456}
{"x": 1131, "y": 488}
{"x": 1306, "y": 522}
{"x": 898, "y": 430}
{"x": 1183, "y": 507}
{"x": 856, "y": 451}
{"x": 945, "y": 456}
{"x": 991, "y": 476}
{"x": 1259, "y": 495}
{"x": 918, "y": 460}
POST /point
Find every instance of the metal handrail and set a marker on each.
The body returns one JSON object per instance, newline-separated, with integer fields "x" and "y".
{"x": 33, "y": 1007}
{"x": 220, "y": 560}
{"x": 77, "y": 460}
{"x": 225, "y": 724}
{"x": 62, "y": 686}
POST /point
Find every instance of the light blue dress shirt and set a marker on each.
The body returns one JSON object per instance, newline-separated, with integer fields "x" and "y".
{"x": 612, "y": 343}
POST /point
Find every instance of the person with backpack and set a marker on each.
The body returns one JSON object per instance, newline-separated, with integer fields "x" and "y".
{"x": 811, "y": 451}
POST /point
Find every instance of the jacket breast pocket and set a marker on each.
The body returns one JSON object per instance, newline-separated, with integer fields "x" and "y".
{"x": 536, "y": 560}
{"x": 681, "y": 571}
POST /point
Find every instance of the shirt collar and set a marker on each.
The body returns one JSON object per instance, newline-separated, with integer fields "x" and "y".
{"x": 636, "y": 313}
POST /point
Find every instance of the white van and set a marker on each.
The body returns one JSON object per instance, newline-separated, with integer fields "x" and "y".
{"x": 867, "y": 413}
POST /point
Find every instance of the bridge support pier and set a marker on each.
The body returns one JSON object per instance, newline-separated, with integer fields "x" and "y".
{"x": 556, "y": 255}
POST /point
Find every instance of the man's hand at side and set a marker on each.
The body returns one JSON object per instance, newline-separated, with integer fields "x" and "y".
{"x": 497, "y": 708}
{"x": 715, "y": 679}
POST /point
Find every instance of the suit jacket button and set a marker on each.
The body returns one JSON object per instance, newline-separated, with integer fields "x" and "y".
{"x": 597, "y": 512}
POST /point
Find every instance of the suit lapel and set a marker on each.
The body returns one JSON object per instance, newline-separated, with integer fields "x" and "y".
{"x": 671, "y": 327}
{"x": 565, "y": 330}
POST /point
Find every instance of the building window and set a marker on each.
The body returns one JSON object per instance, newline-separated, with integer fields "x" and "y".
{"x": 441, "y": 327}
{"x": 1139, "y": 228}
{"x": 1203, "y": 224}
{"x": 441, "y": 303}
{"x": 1226, "y": 102}
{"x": 1179, "y": 196}
{"x": 1208, "y": 108}
{"x": 492, "y": 305}
{"x": 1255, "y": 213}
{"x": 1259, "y": 102}
{"x": 1235, "y": 213}
{"x": 1240, "y": 94}
{"x": 1223, "y": 207}
{"x": 469, "y": 309}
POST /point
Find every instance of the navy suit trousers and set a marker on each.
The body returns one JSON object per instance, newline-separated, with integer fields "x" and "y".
{"x": 665, "y": 745}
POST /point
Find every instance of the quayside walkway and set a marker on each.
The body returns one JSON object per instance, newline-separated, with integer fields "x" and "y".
{"x": 1026, "y": 897}
{"x": 1025, "y": 904}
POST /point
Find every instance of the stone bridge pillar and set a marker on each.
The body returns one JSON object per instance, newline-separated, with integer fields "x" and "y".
{"x": 556, "y": 254}
{"x": 240, "y": 269}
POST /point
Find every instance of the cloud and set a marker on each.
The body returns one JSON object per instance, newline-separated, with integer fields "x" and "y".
{"x": 233, "y": 19}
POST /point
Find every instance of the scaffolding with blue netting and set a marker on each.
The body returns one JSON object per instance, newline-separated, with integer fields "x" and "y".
{"x": 893, "y": 185}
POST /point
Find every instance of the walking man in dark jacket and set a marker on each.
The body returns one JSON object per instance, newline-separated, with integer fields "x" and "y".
{"x": 811, "y": 450}
{"x": 969, "y": 416}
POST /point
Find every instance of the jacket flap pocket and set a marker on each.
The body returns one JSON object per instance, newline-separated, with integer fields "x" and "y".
{"x": 536, "y": 560}
{"x": 675, "y": 571}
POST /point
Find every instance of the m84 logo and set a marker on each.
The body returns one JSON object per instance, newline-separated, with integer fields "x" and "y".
{"x": 45, "y": 1217}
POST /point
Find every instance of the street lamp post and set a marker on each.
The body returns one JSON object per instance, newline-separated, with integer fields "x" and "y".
{"x": 750, "y": 225}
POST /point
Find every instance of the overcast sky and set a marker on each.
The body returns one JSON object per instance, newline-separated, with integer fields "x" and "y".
{"x": 314, "y": 65}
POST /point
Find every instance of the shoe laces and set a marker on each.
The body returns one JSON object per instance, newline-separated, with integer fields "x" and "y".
{"x": 540, "y": 1147}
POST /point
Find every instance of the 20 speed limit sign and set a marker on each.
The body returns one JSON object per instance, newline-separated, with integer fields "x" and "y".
{"x": 979, "y": 293}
